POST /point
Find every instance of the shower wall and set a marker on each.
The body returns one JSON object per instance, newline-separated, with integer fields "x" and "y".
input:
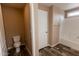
{"x": 70, "y": 32}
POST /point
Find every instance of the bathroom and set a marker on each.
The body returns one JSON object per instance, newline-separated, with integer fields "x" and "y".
{"x": 16, "y": 19}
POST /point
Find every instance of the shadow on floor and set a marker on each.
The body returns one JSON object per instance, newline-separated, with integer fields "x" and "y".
{"x": 23, "y": 52}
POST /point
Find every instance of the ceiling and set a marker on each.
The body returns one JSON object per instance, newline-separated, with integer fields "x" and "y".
{"x": 15, "y": 5}
{"x": 64, "y": 6}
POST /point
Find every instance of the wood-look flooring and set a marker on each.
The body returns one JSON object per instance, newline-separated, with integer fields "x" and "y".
{"x": 58, "y": 50}
{"x": 23, "y": 52}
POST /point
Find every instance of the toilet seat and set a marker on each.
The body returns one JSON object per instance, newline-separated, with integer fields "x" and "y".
{"x": 17, "y": 44}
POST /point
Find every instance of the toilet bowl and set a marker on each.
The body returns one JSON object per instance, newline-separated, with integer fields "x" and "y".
{"x": 17, "y": 43}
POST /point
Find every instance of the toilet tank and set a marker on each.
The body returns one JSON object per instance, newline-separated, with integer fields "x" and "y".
{"x": 16, "y": 38}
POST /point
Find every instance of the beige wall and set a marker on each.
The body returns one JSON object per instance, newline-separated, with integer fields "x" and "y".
{"x": 27, "y": 28}
{"x": 14, "y": 24}
{"x": 43, "y": 7}
{"x": 50, "y": 24}
{"x": 57, "y": 16}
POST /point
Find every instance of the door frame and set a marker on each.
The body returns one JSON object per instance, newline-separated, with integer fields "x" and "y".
{"x": 46, "y": 25}
{"x": 34, "y": 26}
{"x": 45, "y": 8}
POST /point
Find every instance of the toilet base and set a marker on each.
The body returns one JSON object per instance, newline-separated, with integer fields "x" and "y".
{"x": 17, "y": 49}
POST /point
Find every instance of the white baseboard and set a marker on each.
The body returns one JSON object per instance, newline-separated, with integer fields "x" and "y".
{"x": 53, "y": 44}
{"x": 70, "y": 44}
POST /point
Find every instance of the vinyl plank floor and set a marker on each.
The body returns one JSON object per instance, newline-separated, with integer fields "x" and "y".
{"x": 23, "y": 52}
{"x": 58, "y": 50}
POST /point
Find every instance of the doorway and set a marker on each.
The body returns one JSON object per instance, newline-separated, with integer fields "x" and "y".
{"x": 43, "y": 28}
{"x": 16, "y": 19}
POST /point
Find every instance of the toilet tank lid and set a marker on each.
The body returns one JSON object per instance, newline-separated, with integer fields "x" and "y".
{"x": 16, "y": 38}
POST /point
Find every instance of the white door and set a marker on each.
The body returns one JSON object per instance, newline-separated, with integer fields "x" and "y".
{"x": 43, "y": 28}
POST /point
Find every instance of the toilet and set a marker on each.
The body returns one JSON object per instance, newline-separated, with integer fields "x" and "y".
{"x": 17, "y": 43}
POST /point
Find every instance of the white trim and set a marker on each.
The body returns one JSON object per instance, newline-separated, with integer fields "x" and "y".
{"x": 32, "y": 28}
{"x": 53, "y": 44}
{"x": 70, "y": 44}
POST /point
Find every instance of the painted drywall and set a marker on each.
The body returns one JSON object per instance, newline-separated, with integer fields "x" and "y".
{"x": 55, "y": 20}
{"x": 50, "y": 21}
{"x": 13, "y": 23}
{"x": 27, "y": 22}
{"x": 43, "y": 7}
{"x": 58, "y": 16}
{"x": 70, "y": 32}
{"x": 34, "y": 29}
{"x": 3, "y": 48}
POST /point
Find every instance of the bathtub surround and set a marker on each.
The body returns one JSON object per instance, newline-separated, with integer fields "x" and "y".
{"x": 70, "y": 32}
